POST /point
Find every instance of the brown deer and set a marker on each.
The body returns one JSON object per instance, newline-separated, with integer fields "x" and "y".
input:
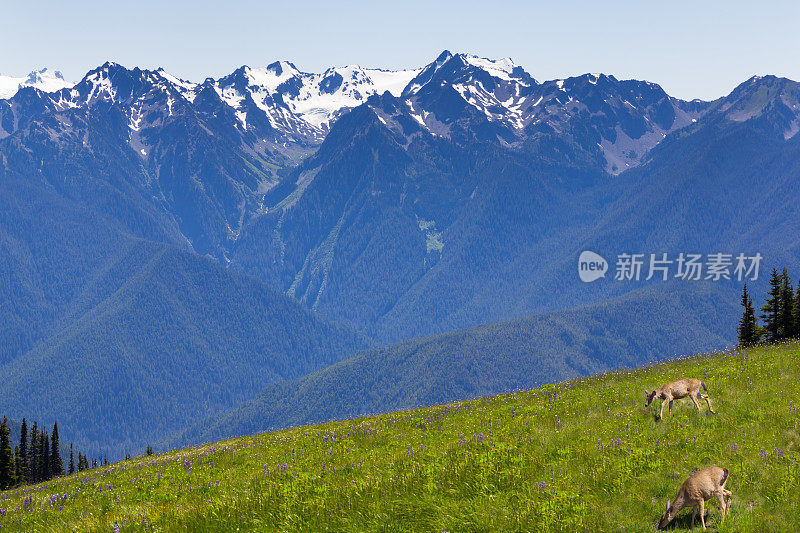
{"x": 675, "y": 390}
{"x": 699, "y": 487}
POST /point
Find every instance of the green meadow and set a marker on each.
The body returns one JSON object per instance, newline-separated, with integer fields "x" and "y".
{"x": 584, "y": 455}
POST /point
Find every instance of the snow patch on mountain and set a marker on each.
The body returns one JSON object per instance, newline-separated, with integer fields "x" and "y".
{"x": 45, "y": 80}
{"x": 186, "y": 88}
{"x": 302, "y": 106}
{"x": 321, "y": 98}
{"x": 501, "y": 68}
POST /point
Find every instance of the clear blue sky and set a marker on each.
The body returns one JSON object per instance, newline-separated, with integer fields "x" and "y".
{"x": 694, "y": 49}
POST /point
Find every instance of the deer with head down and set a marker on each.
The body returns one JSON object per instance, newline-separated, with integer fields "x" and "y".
{"x": 699, "y": 487}
{"x": 675, "y": 390}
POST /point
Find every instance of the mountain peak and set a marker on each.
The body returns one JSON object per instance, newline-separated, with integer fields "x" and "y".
{"x": 772, "y": 96}
{"x": 444, "y": 56}
{"x": 44, "y": 79}
{"x": 42, "y": 75}
{"x": 279, "y": 67}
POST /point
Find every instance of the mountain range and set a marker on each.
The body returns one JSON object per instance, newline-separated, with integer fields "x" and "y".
{"x": 173, "y": 250}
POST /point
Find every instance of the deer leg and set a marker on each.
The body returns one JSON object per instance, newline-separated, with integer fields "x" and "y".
{"x": 695, "y": 402}
{"x": 670, "y": 406}
{"x": 702, "y": 506}
{"x": 661, "y": 413}
{"x": 722, "y": 506}
{"x": 694, "y": 514}
{"x": 708, "y": 401}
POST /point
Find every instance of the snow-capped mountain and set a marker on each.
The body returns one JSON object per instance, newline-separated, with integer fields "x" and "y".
{"x": 623, "y": 119}
{"x": 44, "y": 79}
{"x": 284, "y": 110}
{"x": 304, "y": 105}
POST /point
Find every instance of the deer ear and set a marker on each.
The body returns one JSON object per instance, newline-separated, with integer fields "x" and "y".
{"x": 647, "y": 392}
{"x": 668, "y": 504}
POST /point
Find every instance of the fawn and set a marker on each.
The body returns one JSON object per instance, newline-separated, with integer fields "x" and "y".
{"x": 699, "y": 487}
{"x": 675, "y": 390}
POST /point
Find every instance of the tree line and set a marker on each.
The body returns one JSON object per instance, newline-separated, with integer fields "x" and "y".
{"x": 780, "y": 314}
{"x": 37, "y": 458}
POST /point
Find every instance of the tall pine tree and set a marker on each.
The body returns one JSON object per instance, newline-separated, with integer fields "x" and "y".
{"x": 71, "y": 460}
{"x": 797, "y": 311}
{"x": 44, "y": 454}
{"x": 19, "y": 479}
{"x": 770, "y": 312}
{"x": 56, "y": 465}
{"x": 23, "y": 451}
{"x": 6, "y": 457}
{"x": 786, "y": 308}
{"x": 748, "y": 327}
{"x": 33, "y": 455}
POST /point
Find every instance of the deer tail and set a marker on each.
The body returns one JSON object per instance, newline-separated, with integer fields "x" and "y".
{"x": 724, "y": 477}
{"x": 704, "y": 386}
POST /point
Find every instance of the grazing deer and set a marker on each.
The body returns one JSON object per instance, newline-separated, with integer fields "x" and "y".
{"x": 699, "y": 487}
{"x": 675, "y": 390}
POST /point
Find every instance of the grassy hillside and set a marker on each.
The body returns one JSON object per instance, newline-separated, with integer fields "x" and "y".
{"x": 577, "y": 456}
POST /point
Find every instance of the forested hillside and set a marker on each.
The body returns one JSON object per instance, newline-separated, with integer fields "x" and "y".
{"x": 504, "y": 356}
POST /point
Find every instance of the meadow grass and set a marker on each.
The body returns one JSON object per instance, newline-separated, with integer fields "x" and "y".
{"x": 584, "y": 455}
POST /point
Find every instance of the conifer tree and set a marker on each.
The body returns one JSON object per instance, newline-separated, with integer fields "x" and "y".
{"x": 18, "y": 476}
{"x": 71, "y": 460}
{"x": 797, "y": 311}
{"x": 786, "y": 309}
{"x": 770, "y": 312}
{"x": 44, "y": 455}
{"x": 83, "y": 463}
{"x": 33, "y": 455}
{"x": 6, "y": 457}
{"x": 23, "y": 451}
{"x": 748, "y": 327}
{"x": 56, "y": 465}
